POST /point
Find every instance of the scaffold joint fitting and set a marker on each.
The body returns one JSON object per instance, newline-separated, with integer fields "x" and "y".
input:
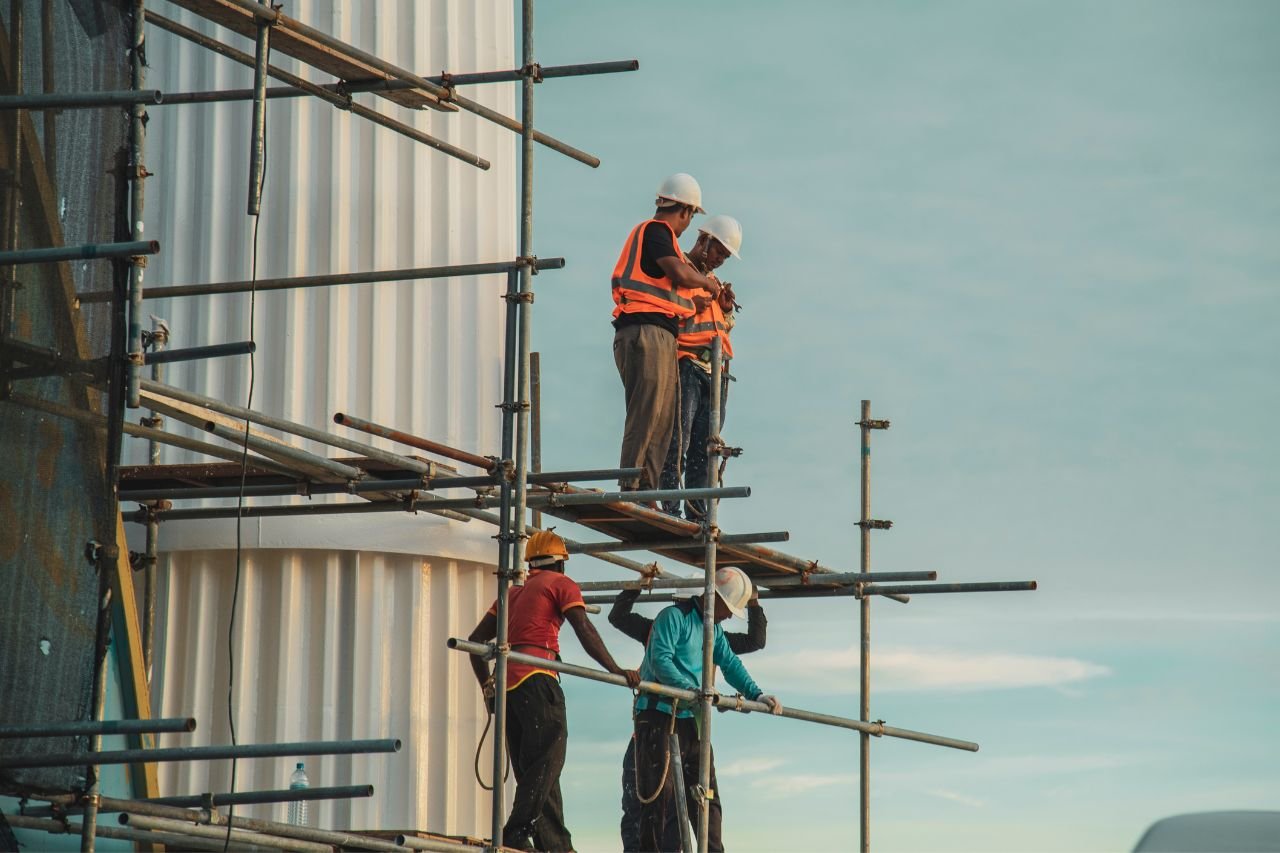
{"x": 869, "y": 424}
{"x": 525, "y": 296}
{"x": 875, "y": 524}
{"x": 533, "y": 71}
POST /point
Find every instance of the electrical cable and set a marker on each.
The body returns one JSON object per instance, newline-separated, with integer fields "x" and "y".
{"x": 244, "y": 471}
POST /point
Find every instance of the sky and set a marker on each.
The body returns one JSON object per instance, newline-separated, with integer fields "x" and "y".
{"x": 1041, "y": 238}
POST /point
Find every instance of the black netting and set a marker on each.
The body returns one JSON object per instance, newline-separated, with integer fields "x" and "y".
{"x": 67, "y": 185}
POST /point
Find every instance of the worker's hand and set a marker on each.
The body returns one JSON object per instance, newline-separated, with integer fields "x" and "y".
{"x": 632, "y": 676}
{"x": 490, "y": 694}
{"x": 755, "y": 595}
{"x": 775, "y": 707}
{"x": 716, "y": 288}
{"x": 728, "y": 300}
{"x": 701, "y": 302}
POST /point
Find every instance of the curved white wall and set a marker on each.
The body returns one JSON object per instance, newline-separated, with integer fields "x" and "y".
{"x": 342, "y": 620}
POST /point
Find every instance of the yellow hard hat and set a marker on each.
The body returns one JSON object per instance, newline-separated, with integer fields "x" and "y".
{"x": 545, "y": 547}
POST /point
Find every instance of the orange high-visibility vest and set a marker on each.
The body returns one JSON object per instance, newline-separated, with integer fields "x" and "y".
{"x": 634, "y": 291}
{"x": 697, "y": 333}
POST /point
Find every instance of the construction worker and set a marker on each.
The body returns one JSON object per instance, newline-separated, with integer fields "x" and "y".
{"x": 718, "y": 238}
{"x": 653, "y": 289}
{"x": 537, "y": 726}
{"x": 637, "y": 627}
{"x": 674, "y": 657}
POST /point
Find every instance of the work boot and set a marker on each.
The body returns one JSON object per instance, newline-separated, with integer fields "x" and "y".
{"x": 519, "y": 839}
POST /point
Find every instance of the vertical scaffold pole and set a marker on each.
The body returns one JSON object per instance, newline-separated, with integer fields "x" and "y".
{"x": 137, "y": 176}
{"x": 159, "y": 340}
{"x": 519, "y": 326}
{"x": 864, "y": 605}
{"x": 709, "y": 603}
{"x": 506, "y": 555}
{"x": 535, "y": 422}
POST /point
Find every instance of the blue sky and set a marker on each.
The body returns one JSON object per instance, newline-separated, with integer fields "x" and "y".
{"x": 1042, "y": 239}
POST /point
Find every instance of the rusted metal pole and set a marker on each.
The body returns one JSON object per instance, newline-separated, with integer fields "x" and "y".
{"x": 159, "y": 340}
{"x": 298, "y": 86}
{"x": 704, "y": 792}
{"x": 85, "y": 252}
{"x": 487, "y": 463}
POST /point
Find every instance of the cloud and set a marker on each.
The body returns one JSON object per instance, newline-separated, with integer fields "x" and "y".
{"x": 799, "y": 783}
{"x": 957, "y": 798}
{"x": 907, "y": 669}
{"x": 748, "y": 766}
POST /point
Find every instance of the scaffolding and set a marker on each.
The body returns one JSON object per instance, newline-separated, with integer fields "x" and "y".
{"x": 263, "y": 466}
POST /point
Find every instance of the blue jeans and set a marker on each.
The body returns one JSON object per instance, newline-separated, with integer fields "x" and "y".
{"x": 688, "y": 449}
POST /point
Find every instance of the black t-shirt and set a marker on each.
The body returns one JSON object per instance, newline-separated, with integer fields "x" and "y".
{"x": 657, "y": 242}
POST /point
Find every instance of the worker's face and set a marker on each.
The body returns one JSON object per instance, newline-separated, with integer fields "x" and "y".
{"x": 682, "y": 220}
{"x": 722, "y": 610}
{"x": 716, "y": 253}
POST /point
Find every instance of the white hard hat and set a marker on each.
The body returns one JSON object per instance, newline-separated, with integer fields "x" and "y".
{"x": 734, "y": 588}
{"x": 727, "y": 230}
{"x": 681, "y": 188}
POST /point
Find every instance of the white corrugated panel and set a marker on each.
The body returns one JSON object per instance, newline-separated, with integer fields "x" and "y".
{"x": 341, "y": 621}
{"x": 330, "y": 646}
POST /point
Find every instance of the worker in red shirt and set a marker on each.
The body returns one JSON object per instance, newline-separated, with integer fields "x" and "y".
{"x": 537, "y": 725}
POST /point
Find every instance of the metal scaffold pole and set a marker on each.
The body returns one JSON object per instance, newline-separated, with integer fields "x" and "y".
{"x": 864, "y": 609}
{"x": 709, "y": 605}
{"x": 519, "y": 327}
{"x": 137, "y": 195}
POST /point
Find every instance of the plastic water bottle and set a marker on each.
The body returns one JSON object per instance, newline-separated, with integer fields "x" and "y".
{"x": 298, "y": 808}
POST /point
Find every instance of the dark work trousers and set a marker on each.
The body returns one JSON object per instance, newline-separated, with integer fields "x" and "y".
{"x": 631, "y": 806}
{"x": 537, "y": 736}
{"x": 658, "y": 833}
{"x": 646, "y": 359}
{"x": 688, "y": 450}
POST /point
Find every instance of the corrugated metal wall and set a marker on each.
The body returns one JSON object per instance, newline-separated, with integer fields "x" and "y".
{"x": 341, "y": 623}
{"x": 332, "y": 646}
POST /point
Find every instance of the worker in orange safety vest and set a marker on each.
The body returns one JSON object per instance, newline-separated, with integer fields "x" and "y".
{"x": 653, "y": 291}
{"x": 718, "y": 238}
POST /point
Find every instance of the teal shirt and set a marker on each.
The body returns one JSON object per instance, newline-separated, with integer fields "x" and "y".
{"x": 673, "y": 657}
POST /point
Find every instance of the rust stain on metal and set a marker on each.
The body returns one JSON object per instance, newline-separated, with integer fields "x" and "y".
{"x": 50, "y": 448}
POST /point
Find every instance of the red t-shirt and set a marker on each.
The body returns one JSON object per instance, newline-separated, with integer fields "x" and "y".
{"x": 535, "y": 613}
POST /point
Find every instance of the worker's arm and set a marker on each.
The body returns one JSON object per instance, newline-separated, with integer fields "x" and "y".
{"x": 753, "y": 640}
{"x": 683, "y": 275}
{"x": 734, "y": 672}
{"x": 594, "y": 646}
{"x": 633, "y": 625}
{"x": 483, "y": 633}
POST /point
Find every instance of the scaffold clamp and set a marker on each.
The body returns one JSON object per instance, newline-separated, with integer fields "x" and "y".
{"x": 874, "y": 424}
{"x": 875, "y": 524}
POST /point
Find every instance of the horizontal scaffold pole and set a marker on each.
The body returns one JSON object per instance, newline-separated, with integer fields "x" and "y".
{"x": 79, "y": 100}
{"x": 925, "y": 589}
{"x": 398, "y": 485}
{"x": 86, "y": 252}
{"x": 682, "y": 544}
{"x": 305, "y": 87}
{"x": 350, "y": 87}
{"x": 58, "y": 827}
{"x": 239, "y": 836}
{"x": 818, "y": 582}
{"x": 204, "y": 815}
{"x": 197, "y": 353}
{"x": 728, "y": 703}
{"x": 200, "y": 753}
{"x": 100, "y": 727}
{"x": 416, "y": 504}
{"x": 239, "y": 798}
{"x": 328, "y": 280}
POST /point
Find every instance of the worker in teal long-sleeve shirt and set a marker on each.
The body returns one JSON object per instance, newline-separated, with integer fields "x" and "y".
{"x": 673, "y": 657}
